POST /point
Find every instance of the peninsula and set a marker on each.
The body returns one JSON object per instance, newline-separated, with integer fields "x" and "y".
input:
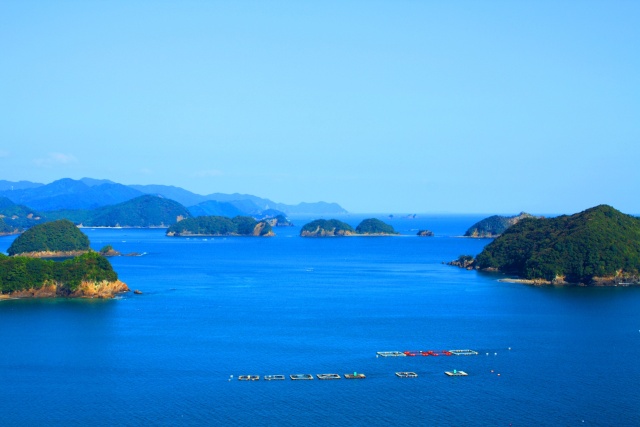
{"x": 87, "y": 276}
{"x": 220, "y": 226}
{"x": 597, "y": 247}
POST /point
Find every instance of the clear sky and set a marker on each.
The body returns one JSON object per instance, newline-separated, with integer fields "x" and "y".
{"x": 381, "y": 106}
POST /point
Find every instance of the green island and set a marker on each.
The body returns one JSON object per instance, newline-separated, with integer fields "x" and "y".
{"x": 374, "y": 227}
{"x": 50, "y": 239}
{"x": 89, "y": 275}
{"x": 326, "y": 228}
{"x": 494, "y": 226}
{"x": 220, "y": 226}
{"x": 599, "y": 246}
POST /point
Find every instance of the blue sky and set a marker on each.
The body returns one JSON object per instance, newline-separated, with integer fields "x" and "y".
{"x": 381, "y": 106}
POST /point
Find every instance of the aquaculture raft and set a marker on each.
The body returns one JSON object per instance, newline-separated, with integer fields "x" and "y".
{"x": 249, "y": 377}
{"x": 391, "y": 354}
{"x": 274, "y": 377}
{"x": 328, "y": 376}
{"x": 407, "y": 374}
{"x": 296, "y": 377}
{"x": 456, "y": 373}
{"x": 466, "y": 352}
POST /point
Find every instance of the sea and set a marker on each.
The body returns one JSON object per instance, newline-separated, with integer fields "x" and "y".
{"x": 214, "y": 309}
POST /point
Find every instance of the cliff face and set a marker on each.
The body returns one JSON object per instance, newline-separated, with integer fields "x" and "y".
{"x": 103, "y": 289}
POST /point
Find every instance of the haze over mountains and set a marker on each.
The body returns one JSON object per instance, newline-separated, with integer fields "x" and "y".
{"x": 89, "y": 193}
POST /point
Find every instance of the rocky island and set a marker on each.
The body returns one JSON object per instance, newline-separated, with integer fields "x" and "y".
{"x": 326, "y": 228}
{"x": 494, "y": 226}
{"x": 220, "y": 226}
{"x": 597, "y": 247}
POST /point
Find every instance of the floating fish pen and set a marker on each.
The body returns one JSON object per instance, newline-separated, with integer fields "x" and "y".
{"x": 466, "y": 352}
{"x": 391, "y": 354}
{"x": 249, "y": 377}
{"x": 328, "y": 376}
{"x": 354, "y": 376}
{"x": 407, "y": 374}
{"x": 296, "y": 377}
{"x": 456, "y": 373}
{"x": 274, "y": 377}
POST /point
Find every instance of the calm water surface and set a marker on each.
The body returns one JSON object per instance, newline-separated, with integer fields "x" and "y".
{"x": 213, "y": 308}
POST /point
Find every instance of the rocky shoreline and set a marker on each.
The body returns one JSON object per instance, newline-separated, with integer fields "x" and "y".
{"x": 101, "y": 290}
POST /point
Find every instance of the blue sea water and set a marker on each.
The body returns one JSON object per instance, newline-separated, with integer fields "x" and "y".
{"x": 213, "y": 308}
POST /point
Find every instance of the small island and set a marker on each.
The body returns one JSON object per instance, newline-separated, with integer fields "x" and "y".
{"x": 425, "y": 233}
{"x": 49, "y": 240}
{"x": 494, "y": 226}
{"x": 215, "y": 226}
{"x": 374, "y": 227}
{"x": 597, "y": 247}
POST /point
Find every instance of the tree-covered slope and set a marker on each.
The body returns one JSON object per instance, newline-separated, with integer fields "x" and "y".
{"x": 494, "y": 226}
{"x": 18, "y": 217}
{"x": 21, "y": 273}
{"x": 55, "y": 236}
{"x": 599, "y": 242}
{"x": 374, "y": 226}
{"x": 326, "y": 228}
{"x": 220, "y": 226}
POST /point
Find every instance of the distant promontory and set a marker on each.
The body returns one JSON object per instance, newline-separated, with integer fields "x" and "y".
{"x": 599, "y": 246}
{"x": 494, "y": 226}
{"x": 220, "y": 226}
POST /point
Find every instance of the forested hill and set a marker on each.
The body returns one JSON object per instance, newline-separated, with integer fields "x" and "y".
{"x": 600, "y": 242}
{"x": 143, "y": 211}
{"x": 55, "y": 236}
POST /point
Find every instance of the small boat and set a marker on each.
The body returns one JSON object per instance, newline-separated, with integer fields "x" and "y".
{"x": 355, "y": 376}
{"x": 456, "y": 373}
{"x": 137, "y": 292}
{"x": 248, "y": 377}
{"x": 328, "y": 376}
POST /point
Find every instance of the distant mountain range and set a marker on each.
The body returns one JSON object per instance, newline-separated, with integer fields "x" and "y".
{"x": 89, "y": 194}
